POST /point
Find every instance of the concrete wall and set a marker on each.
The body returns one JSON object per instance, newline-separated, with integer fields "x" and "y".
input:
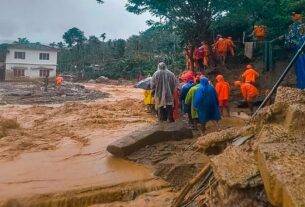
{"x": 32, "y": 64}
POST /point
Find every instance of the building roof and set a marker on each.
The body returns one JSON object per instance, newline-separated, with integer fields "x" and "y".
{"x": 30, "y": 46}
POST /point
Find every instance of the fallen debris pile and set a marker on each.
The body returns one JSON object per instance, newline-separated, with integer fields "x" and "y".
{"x": 267, "y": 170}
{"x": 33, "y": 93}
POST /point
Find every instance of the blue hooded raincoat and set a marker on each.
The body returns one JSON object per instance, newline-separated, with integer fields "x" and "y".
{"x": 206, "y": 102}
{"x": 184, "y": 90}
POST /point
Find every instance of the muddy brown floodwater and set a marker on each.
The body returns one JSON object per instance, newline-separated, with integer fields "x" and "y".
{"x": 61, "y": 148}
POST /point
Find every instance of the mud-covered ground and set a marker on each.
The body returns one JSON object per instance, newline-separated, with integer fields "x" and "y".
{"x": 54, "y": 148}
{"x": 66, "y": 145}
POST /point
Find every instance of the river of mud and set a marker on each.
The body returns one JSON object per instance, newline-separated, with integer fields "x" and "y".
{"x": 62, "y": 148}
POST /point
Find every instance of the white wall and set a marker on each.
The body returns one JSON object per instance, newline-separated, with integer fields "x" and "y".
{"x": 31, "y": 57}
{"x": 31, "y": 63}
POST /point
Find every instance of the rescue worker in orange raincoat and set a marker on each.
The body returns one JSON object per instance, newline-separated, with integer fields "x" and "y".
{"x": 231, "y": 46}
{"x": 250, "y": 75}
{"x": 223, "y": 92}
{"x": 221, "y": 47}
{"x": 206, "y": 54}
{"x": 58, "y": 81}
{"x": 249, "y": 93}
{"x": 260, "y": 32}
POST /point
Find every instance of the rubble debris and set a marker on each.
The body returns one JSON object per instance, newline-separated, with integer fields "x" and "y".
{"x": 102, "y": 79}
{"x": 182, "y": 166}
{"x": 33, "y": 93}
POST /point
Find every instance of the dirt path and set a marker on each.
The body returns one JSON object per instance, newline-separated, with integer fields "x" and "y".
{"x": 60, "y": 148}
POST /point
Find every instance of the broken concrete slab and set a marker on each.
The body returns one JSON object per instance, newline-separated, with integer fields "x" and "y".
{"x": 295, "y": 118}
{"x": 149, "y": 135}
{"x": 282, "y": 167}
{"x": 236, "y": 168}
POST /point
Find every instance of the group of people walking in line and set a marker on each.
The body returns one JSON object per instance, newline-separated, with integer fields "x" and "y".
{"x": 195, "y": 95}
{"x": 206, "y": 56}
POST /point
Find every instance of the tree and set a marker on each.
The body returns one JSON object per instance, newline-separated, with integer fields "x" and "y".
{"x": 23, "y": 41}
{"x": 191, "y": 19}
{"x": 53, "y": 44}
{"x": 103, "y": 36}
{"x": 74, "y": 36}
{"x": 93, "y": 40}
{"x": 61, "y": 45}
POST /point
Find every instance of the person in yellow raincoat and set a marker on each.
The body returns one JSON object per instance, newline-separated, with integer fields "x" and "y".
{"x": 149, "y": 100}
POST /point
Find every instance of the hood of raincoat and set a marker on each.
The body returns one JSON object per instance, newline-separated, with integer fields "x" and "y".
{"x": 220, "y": 78}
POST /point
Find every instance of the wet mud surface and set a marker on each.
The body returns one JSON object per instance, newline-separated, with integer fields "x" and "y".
{"x": 48, "y": 149}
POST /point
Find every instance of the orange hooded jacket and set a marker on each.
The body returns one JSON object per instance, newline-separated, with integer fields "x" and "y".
{"x": 250, "y": 75}
{"x": 222, "y": 46}
{"x": 222, "y": 88}
{"x": 248, "y": 90}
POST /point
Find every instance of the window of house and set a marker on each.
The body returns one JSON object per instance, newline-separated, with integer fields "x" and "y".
{"x": 18, "y": 72}
{"x": 44, "y": 56}
{"x": 20, "y": 55}
{"x": 44, "y": 72}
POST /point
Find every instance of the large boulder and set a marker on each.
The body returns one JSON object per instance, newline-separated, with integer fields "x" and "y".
{"x": 149, "y": 135}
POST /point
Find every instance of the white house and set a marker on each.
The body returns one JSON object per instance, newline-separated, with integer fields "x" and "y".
{"x": 27, "y": 61}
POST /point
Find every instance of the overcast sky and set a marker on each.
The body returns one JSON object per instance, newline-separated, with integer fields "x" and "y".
{"x": 46, "y": 20}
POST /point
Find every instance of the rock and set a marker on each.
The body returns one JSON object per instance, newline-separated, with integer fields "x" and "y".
{"x": 295, "y": 118}
{"x": 281, "y": 158}
{"x": 237, "y": 168}
{"x": 102, "y": 79}
{"x": 91, "y": 81}
{"x": 149, "y": 136}
{"x": 282, "y": 167}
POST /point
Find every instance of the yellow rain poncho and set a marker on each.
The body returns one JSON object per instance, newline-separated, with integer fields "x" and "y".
{"x": 148, "y": 97}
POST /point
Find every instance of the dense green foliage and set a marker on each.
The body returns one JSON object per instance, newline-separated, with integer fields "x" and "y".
{"x": 183, "y": 21}
{"x": 123, "y": 58}
{"x": 197, "y": 20}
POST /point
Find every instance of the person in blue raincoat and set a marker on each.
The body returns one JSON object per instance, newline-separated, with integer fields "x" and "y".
{"x": 185, "y": 107}
{"x": 206, "y": 104}
{"x": 294, "y": 40}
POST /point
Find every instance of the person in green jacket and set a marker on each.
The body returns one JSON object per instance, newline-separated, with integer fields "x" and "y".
{"x": 189, "y": 101}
